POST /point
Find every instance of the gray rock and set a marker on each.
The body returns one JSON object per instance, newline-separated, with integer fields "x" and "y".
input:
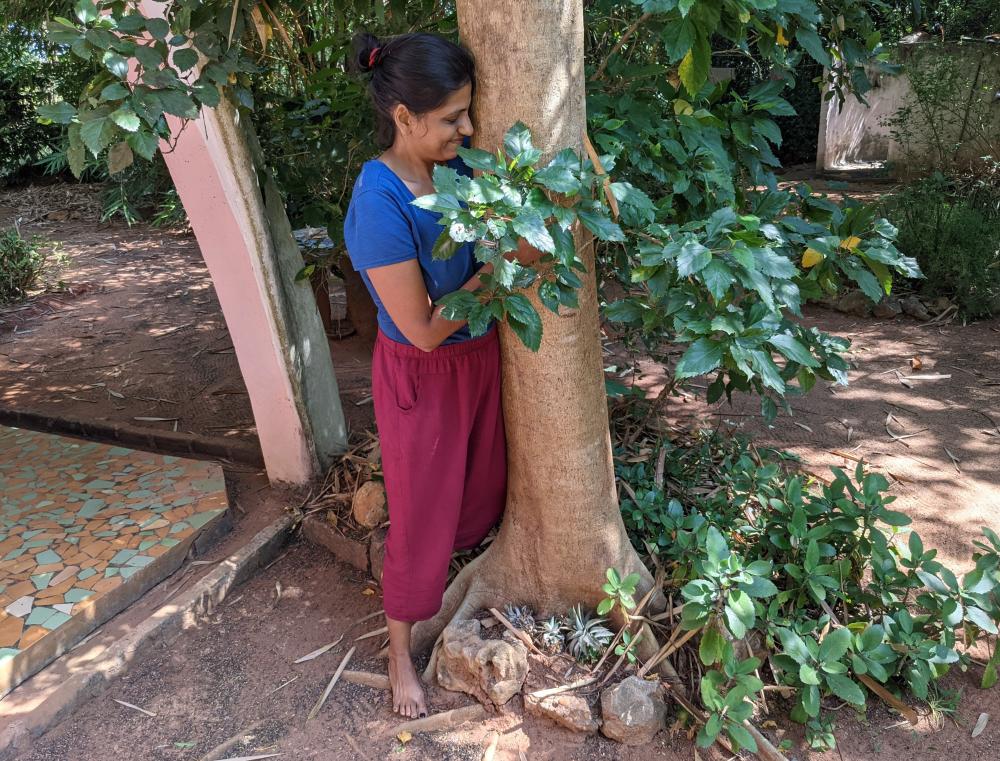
{"x": 489, "y": 670}
{"x": 915, "y": 308}
{"x": 633, "y": 711}
{"x": 854, "y": 303}
{"x": 570, "y": 711}
{"x": 888, "y": 308}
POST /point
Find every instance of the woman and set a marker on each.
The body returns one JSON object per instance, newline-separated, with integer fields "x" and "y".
{"x": 436, "y": 388}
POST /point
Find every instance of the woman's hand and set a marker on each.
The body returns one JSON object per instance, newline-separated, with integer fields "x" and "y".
{"x": 525, "y": 254}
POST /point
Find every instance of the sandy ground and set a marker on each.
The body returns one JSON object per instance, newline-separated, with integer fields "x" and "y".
{"x": 945, "y": 473}
{"x": 136, "y": 332}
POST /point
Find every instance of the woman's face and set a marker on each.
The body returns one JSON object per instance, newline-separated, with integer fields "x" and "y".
{"x": 436, "y": 135}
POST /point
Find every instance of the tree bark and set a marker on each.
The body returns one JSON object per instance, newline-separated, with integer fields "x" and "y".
{"x": 562, "y": 527}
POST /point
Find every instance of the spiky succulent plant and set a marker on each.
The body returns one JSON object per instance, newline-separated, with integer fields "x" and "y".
{"x": 551, "y": 635}
{"x": 587, "y": 636}
{"x": 521, "y": 617}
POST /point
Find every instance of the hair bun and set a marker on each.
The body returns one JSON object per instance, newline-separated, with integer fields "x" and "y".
{"x": 366, "y": 47}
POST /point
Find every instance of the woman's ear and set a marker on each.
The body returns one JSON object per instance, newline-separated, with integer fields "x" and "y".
{"x": 403, "y": 118}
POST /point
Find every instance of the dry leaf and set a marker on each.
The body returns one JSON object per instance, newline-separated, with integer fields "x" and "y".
{"x": 981, "y": 724}
{"x": 367, "y": 591}
{"x": 320, "y": 650}
{"x": 404, "y": 737}
{"x": 804, "y": 427}
{"x": 916, "y": 363}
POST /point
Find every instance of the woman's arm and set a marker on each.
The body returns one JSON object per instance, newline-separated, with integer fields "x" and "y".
{"x": 404, "y": 295}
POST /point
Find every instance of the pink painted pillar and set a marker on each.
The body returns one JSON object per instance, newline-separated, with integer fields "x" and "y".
{"x": 213, "y": 173}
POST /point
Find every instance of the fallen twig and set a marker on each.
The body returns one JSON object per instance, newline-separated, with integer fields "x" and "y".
{"x": 378, "y": 681}
{"x": 376, "y": 633}
{"x": 524, "y": 638}
{"x": 443, "y": 720}
{"x": 134, "y": 707}
{"x": 329, "y": 688}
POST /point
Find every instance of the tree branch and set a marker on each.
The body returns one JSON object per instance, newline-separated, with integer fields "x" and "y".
{"x": 619, "y": 45}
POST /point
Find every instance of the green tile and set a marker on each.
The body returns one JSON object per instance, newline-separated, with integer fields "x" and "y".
{"x": 179, "y": 527}
{"x": 86, "y": 573}
{"x": 141, "y": 560}
{"x": 56, "y": 620}
{"x": 200, "y": 519}
{"x": 39, "y": 616}
{"x": 99, "y": 484}
{"x": 168, "y": 542}
{"x": 91, "y": 508}
{"x": 76, "y": 593}
{"x": 47, "y": 557}
{"x": 41, "y": 580}
{"x": 14, "y": 553}
{"x": 121, "y": 557}
{"x": 29, "y": 534}
{"x": 143, "y": 546}
{"x": 111, "y": 571}
{"x": 181, "y": 501}
{"x": 8, "y": 652}
{"x": 128, "y": 571}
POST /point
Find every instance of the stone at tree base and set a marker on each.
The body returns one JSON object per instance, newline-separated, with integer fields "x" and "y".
{"x": 915, "y": 308}
{"x": 854, "y": 303}
{"x": 369, "y": 504}
{"x": 633, "y": 711}
{"x": 489, "y": 670}
{"x": 888, "y": 308}
{"x": 570, "y": 711}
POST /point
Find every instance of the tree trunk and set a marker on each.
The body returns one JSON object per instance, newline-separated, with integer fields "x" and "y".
{"x": 562, "y": 526}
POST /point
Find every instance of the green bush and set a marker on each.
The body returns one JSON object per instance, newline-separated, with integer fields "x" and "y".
{"x": 820, "y": 589}
{"x": 951, "y": 226}
{"x": 21, "y": 265}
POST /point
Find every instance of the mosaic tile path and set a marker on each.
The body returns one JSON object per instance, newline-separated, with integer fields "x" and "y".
{"x": 85, "y": 528}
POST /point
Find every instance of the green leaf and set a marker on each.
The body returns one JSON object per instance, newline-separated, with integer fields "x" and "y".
{"x": 524, "y": 320}
{"x": 684, "y": 6}
{"x": 845, "y": 689}
{"x": 711, "y": 646}
{"x": 115, "y": 91}
{"x": 811, "y": 41}
{"x": 95, "y": 134}
{"x": 59, "y": 113}
{"x": 980, "y": 618}
{"x": 990, "y": 673}
{"x": 158, "y": 27}
{"x": 604, "y": 606}
{"x": 559, "y": 174}
{"x": 76, "y": 154}
{"x": 115, "y": 63}
{"x": 177, "y": 103}
{"x": 517, "y": 143}
{"x": 701, "y": 357}
{"x": 185, "y": 58}
{"x": 475, "y": 158}
{"x": 791, "y": 348}
{"x": 445, "y": 246}
{"x": 695, "y": 65}
{"x": 810, "y": 700}
{"x": 678, "y": 37}
{"x": 741, "y": 737}
{"x": 872, "y": 637}
{"x": 693, "y": 257}
{"x": 86, "y": 11}
{"x": 834, "y": 645}
{"x": 601, "y": 225}
{"x": 125, "y": 118}
{"x": 530, "y": 226}
{"x": 808, "y": 675}
{"x": 143, "y": 143}
{"x": 794, "y": 645}
{"x": 148, "y": 57}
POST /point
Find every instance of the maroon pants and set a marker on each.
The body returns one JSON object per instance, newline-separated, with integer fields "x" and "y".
{"x": 444, "y": 459}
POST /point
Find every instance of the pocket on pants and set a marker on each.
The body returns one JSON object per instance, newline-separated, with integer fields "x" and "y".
{"x": 407, "y": 391}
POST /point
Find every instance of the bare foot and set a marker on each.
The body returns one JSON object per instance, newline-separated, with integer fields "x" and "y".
{"x": 407, "y": 692}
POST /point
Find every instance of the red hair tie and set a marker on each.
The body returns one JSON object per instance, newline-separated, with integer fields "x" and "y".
{"x": 371, "y": 57}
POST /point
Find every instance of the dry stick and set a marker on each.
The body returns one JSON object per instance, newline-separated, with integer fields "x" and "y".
{"x": 547, "y": 693}
{"x": 378, "y": 681}
{"x": 491, "y": 749}
{"x": 376, "y": 633}
{"x": 227, "y": 745}
{"x": 524, "y": 638}
{"x": 666, "y": 651}
{"x": 630, "y": 617}
{"x": 326, "y": 693}
{"x": 444, "y": 720}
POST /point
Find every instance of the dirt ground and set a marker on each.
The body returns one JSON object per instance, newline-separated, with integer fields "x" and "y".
{"x": 142, "y": 319}
{"x": 944, "y": 462}
{"x": 136, "y": 331}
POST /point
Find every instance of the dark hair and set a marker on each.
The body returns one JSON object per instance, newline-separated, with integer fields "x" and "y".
{"x": 419, "y": 70}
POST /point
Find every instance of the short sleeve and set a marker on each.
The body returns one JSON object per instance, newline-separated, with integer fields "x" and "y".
{"x": 377, "y": 231}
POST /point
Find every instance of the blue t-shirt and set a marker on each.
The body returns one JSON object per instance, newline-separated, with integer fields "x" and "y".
{"x": 382, "y": 227}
